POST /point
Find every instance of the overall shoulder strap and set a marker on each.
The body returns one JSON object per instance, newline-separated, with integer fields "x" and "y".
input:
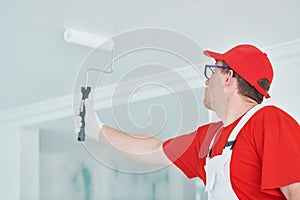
{"x": 242, "y": 122}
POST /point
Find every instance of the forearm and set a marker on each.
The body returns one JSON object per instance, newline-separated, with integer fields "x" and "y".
{"x": 144, "y": 149}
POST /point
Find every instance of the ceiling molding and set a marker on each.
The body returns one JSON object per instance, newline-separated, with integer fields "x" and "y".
{"x": 284, "y": 45}
{"x": 287, "y": 53}
{"x": 62, "y": 107}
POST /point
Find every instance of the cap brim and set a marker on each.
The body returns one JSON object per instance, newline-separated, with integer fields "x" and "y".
{"x": 215, "y": 55}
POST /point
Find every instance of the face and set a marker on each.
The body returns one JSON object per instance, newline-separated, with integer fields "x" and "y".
{"x": 214, "y": 97}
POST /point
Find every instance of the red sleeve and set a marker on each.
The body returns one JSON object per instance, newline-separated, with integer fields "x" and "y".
{"x": 188, "y": 152}
{"x": 183, "y": 152}
{"x": 280, "y": 151}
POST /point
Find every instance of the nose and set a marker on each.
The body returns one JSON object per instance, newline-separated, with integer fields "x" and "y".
{"x": 206, "y": 82}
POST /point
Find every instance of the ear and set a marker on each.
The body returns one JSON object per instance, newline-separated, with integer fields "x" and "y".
{"x": 229, "y": 78}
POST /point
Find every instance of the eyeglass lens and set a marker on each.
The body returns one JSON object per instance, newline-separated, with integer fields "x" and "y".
{"x": 208, "y": 72}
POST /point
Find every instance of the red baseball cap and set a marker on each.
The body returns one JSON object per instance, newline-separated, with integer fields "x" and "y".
{"x": 248, "y": 62}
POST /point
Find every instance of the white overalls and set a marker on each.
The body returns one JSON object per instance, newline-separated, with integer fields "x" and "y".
{"x": 218, "y": 185}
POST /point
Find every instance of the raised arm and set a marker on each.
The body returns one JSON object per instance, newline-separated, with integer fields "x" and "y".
{"x": 147, "y": 150}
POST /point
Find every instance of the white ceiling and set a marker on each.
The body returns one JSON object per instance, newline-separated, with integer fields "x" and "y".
{"x": 37, "y": 64}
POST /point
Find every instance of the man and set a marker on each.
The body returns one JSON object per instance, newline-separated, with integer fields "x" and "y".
{"x": 253, "y": 153}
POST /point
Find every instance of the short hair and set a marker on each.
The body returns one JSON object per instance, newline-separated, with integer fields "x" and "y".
{"x": 245, "y": 89}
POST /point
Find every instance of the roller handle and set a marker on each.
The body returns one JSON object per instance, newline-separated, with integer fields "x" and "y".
{"x": 85, "y": 94}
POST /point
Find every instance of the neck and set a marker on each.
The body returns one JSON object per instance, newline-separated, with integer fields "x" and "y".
{"x": 234, "y": 109}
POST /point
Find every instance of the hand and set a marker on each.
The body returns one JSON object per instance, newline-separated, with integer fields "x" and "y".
{"x": 93, "y": 124}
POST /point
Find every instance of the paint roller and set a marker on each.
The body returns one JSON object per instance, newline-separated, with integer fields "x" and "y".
{"x": 95, "y": 42}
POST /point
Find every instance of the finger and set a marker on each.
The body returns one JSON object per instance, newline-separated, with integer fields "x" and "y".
{"x": 76, "y": 130}
{"x": 77, "y": 122}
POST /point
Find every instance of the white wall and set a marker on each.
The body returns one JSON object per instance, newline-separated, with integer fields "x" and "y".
{"x": 285, "y": 90}
{"x": 29, "y": 153}
{"x": 10, "y": 162}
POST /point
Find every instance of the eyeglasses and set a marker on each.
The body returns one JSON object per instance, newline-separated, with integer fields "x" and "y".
{"x": 209, "y": 70}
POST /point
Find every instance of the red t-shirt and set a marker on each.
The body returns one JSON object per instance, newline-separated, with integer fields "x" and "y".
{"x": 265, "y": 157}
